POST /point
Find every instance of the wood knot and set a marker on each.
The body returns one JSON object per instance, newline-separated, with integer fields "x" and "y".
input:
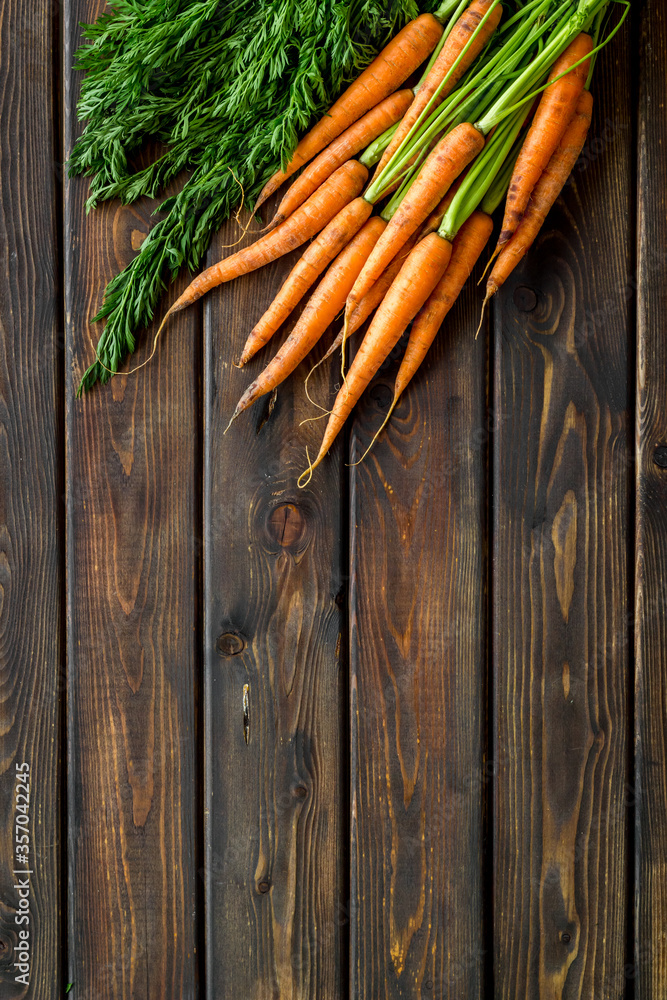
{"x": 660, "y": 456}
{"x": 263, "y": 886}
{"x": 525, "y": 298}
{"x": 381, "y": 395}
{"x": 137, "y": 238}
{"x": 230, "y": 644}
{"x": 286, "y": 525}
{"x": 300, "y": 791}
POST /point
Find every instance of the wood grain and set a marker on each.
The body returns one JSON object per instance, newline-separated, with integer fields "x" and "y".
{"x": 561, "y": 525}
{"x": 132, "y": 487}
{"x": 31, "y": 543}
{"x": 275, "y": 788}
{"x": 417, "y": 654}
{"x": 650, "y": 793}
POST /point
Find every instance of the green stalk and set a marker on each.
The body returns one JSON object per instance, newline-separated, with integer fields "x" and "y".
{"x": 481, "y": 175}
{"x": 264, "y": 93}
{"x": 498, "y": 189}
{"x": 506, "y": 58}
{"x": 592, "y": 55}
{"x": 376, "y": 187}
{"x": 373, "y": 153}
{"x": 521, "y": 91}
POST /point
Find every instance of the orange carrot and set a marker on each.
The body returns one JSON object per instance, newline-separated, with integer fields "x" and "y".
{"x": 372, "y": 299}
{"x": 370, "y": 302}
{"x": 544, "y": 194}
{"x": 419, "y": 275}
{"x": 339, "y": 190}
{"x": 323, "y": 306}
{"x": 443, "y": 165}
{"x": 552, "y": 117}
{"x": 450, "y": 52}
{"x": 316, "y": 257}
{"x": 397, "y": 61}
{"x": 471, "y": 239}
{"x": 354, "y": 139}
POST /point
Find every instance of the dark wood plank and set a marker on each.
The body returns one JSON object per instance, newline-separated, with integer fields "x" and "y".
{"x": 275, "y": 786}
{"x": 561, "y": 525}
{"x": 31, "y": 642}
{"x": 132, "y": 559}
{"x": 650, "y": 960}
{"x": 418, "y": 647}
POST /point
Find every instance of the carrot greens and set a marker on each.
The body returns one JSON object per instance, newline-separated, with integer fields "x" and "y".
{"x": 227, "y": 89}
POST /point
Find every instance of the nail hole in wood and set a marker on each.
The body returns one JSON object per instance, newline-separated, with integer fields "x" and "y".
{"x": 660, "y": 456}
{"x": 230, "y": 644}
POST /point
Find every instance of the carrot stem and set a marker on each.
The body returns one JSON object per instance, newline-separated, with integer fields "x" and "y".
{"x": 374, "y": 151}
{"x": 380, "y": 184}
{"x": 493, "y": 75}
{"x": 498, "y": 188}
{"x": 481, "y": 175}
{"x": 521, "y": 91}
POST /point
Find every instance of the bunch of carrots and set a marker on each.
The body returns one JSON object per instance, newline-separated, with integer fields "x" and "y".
{"x": 501, "y": 112}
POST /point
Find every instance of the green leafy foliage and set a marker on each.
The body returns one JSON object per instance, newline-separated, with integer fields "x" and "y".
{"x": 227, "y": 89}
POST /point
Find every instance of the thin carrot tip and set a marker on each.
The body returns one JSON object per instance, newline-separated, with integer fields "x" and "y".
{"x": 481, "y": 318}
{"x": 307, "y": 473}
{"x": 234, "y": 416}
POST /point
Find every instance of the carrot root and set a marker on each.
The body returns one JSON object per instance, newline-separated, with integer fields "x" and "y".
{"x": 325, "y": 303}
{"x": 333, "y": 238}
{"x": 414, "y": 283}
{"x": 544, "y": 195}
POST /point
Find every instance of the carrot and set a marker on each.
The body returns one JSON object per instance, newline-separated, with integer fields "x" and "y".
{"x": 443, "y": 165}
{"x": 370, "y": 302}
{"x": 397, "y": 61}
{"x": 372, "y": 299}
{"x": 352, "y": 141}
{"x": 466, "y": 249}
{"x": 316, "y": 257}
{"x": 338, "y": 191}
{"x": 417, "y": 278}
{"x": 450, "y": 52}
{"x": 544, "y": 194}
{"x": 323, "y": 306}
{"x": 552, "y": 117}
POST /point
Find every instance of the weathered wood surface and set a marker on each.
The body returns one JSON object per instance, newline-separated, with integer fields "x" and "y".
{"x": 650, "y": 792}
{"x": 276, "y": 858}
{"x": 314, "y": 832}
{"x": 561, "y": 663}
{"x": 417, "y": 655}
{"x": 132, "y": 550}
{"x": 31, "y": 508}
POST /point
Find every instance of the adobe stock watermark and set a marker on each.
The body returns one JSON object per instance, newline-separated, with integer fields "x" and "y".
{"x": 22, "y": 872}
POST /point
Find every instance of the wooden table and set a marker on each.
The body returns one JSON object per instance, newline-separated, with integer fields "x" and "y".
{"x": 399, "y": 734}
